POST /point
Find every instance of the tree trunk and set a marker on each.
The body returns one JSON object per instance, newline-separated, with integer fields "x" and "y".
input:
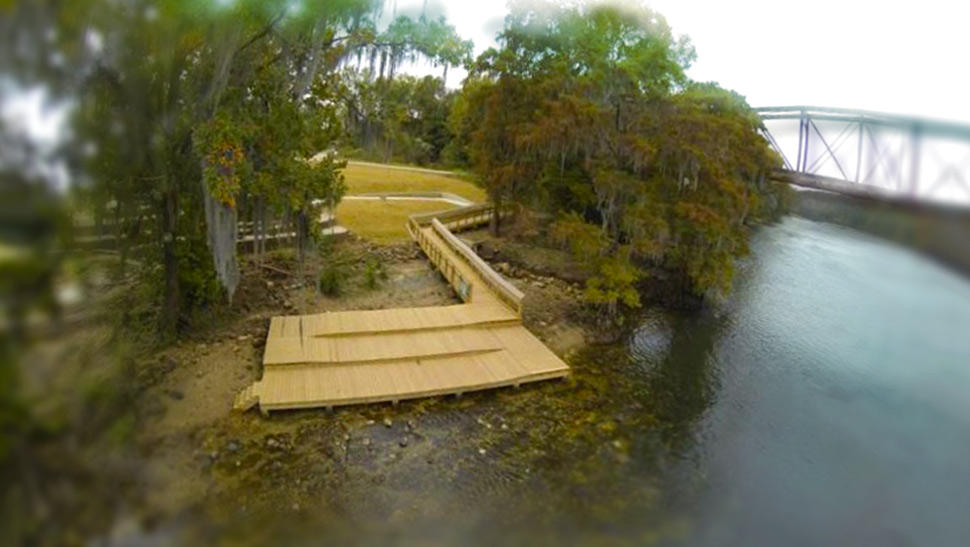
{"x": 170, "y": 304}
{"x": 494, "y": 223}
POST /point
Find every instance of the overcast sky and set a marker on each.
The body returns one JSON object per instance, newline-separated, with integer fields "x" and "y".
{"x": 904, "y": 58}
{"x": 898, "y": 57}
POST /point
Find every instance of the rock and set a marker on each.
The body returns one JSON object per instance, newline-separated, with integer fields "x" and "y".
{"x": 366, "y": 441}
{"x": 485, "y": 250}
{"x": 243, "y": 338}
{"x": 387, "y": 422}
{"x": 404, "y": 442}
{"x": 168, "y": 364}
{"x": 502, "y": 267}
{"x": 272, "y": 443}
{"x": 269, "y": 284}
{"x": 233, "y": 446}
{"x": 409, "y": 425}
{"x": 481, "y": 451}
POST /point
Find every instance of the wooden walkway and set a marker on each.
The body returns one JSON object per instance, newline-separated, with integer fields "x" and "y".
{"x": 353, "y": 357}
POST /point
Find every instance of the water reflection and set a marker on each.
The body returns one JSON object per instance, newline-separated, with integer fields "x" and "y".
{"x": 673, "y": 354}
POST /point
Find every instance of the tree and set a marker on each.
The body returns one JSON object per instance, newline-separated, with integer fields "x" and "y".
{"x": 191, "y": 113}
{"x": 585, "y": 109}
{"x": 404, "y": 119}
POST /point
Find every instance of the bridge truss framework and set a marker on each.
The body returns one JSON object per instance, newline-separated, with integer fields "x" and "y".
{"x": 876, "y": 153}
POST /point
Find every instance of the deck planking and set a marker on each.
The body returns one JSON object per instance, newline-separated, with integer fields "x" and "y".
{"x": 369, "y": 356}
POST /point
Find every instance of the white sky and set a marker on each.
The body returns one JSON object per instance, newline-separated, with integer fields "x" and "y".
{"x": 891, "y": 56}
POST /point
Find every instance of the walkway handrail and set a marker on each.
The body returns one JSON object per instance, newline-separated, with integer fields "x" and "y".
{"x": 505, "y": 291}
{"x": 462, "y": 286}
{"x": 451, "y": 215}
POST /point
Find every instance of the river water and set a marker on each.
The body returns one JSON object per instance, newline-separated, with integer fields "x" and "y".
{"x": 827, "y": 402}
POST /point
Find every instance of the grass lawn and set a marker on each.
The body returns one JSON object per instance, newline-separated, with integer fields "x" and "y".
{"x": 363, "y": 179}
{"x": 383, "y": 221}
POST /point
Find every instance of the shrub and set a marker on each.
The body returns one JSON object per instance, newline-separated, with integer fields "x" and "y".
{"x": 374, "y": 273}
{"x": 332, "y": 278}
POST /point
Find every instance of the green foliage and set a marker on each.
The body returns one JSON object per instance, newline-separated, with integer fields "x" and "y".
{"x": 403, "y": 119}
{"x": 332, "y": 279}
{"x": 612, "y": 276}
{"x": 179, "y": 100}
{"x": 435, "y": 40}
{"x": 374, "y": 272}
{"x": 585, "y": 241}
{"x": 219, "y": 142}
{"x": 13, "y": 412}
{"x": 198, "y": 286}
{"x": 585, "y": 110}
{"x": 614, "y": 283}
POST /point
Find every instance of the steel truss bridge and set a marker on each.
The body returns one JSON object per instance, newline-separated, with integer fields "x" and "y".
{"x": 871, "y": 154}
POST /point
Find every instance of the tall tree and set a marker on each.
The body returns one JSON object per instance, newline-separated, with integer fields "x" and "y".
{"x": 189, "y": 111}
{"x": 585, "y": 108}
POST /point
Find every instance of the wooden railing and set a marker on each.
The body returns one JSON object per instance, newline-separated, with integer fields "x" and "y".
{"x": 505, "y": 291}
{"x": 455, "y": 219}
{"x": 461, "y": 285}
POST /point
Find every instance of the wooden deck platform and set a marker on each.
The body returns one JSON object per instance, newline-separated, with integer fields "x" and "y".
{"x": 354, "y": 357}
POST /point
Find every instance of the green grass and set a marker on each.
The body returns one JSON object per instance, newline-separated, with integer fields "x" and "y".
{"x": 364, "y": 179}
{"x": 383, "y": 221}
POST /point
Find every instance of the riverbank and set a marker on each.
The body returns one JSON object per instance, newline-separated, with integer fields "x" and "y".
{"x": 184, "y": 455}
{"x": 939, "y": 231}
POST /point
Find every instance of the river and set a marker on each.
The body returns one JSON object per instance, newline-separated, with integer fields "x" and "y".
{"x": 828, "y": 401}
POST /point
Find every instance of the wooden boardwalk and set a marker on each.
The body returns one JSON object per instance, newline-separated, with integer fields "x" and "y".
{"x": 354, "y": 357}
